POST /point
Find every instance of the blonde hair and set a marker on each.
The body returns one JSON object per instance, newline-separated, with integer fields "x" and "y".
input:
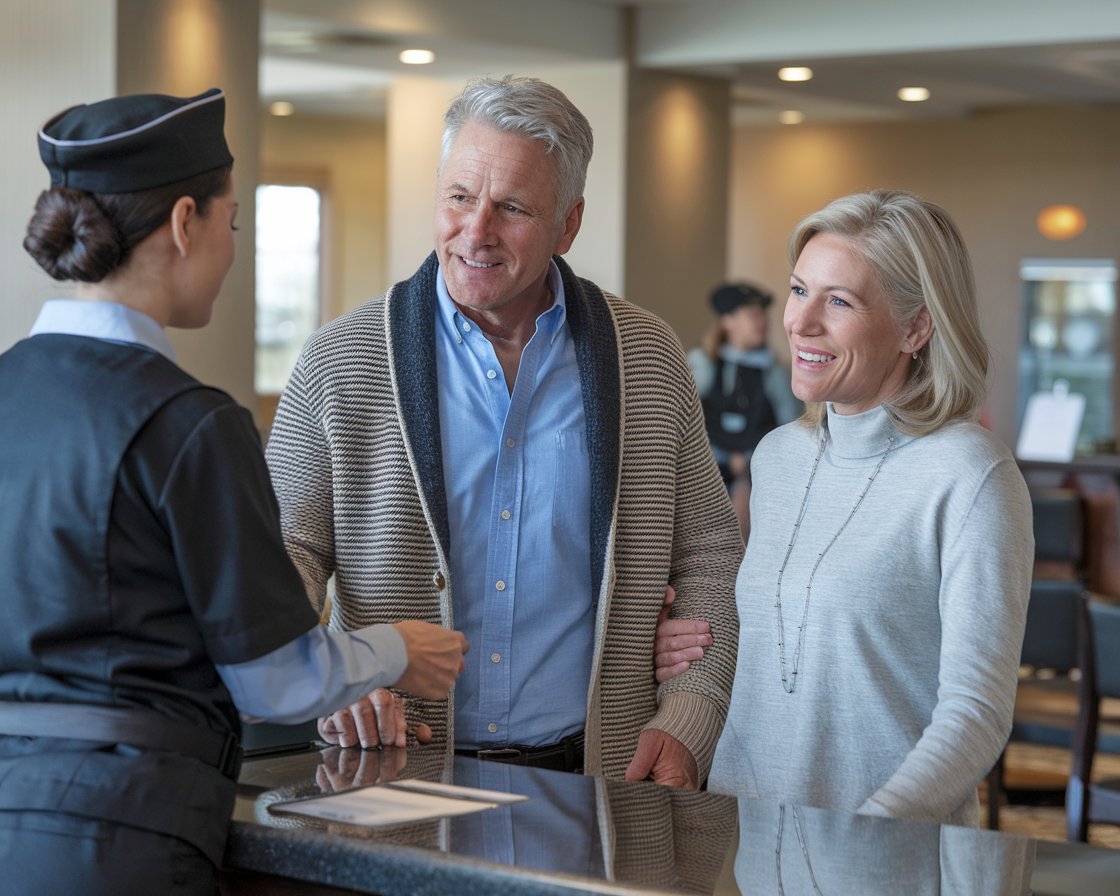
{"x": 919, "y": 261}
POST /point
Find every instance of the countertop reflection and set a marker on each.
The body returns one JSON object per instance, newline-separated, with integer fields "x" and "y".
{"x": 579, "y": 833}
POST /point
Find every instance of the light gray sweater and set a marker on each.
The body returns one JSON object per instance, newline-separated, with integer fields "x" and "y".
{"x": 907, "y": 678}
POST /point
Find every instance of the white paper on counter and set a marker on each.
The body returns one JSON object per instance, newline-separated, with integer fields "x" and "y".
{"x": 1051, "y": 425}
{"x": 397, "y": 802}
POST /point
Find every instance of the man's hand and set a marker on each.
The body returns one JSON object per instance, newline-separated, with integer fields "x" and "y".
{"x": 374, "y": 721}
{"x": 679, "y": 642}
{"x": 435, "y": 658}
{"x": 664, "y": 760}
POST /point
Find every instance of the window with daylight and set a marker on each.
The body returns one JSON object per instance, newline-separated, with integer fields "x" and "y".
{"x": 1069, "y": 310}
{"x": 289, "y": 279}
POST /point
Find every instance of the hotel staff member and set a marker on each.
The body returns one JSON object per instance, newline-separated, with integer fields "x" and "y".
{"x": 145, "y": 591}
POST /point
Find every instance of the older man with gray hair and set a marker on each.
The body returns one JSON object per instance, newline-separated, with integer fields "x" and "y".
{"x": 498, "y": 443}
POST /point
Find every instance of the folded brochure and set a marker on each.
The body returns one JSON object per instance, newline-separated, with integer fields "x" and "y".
{"x": 396, "y": 802}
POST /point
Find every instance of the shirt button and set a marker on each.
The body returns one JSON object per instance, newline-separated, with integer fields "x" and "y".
{"x": 492, "y": 728}
{"x": 509, "y": 443}
{"x": 501, "y": 586}
{"x": 495, "y": 657}
{"x": 505, "y": 514}
{"x": 466, "y": 327}
{"x": 490, "y": 374}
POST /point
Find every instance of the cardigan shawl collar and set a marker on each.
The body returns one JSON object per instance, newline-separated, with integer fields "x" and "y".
{"x": 411, "y": 315}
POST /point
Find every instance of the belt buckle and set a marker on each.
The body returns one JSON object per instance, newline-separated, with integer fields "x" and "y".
{"x": 500, "y": 754}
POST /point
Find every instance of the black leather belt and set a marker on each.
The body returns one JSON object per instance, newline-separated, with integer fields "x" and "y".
{"x": 114, "y": 725}
{"x": 565, "y": 756}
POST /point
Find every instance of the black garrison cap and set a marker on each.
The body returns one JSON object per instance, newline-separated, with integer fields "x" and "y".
{"x": 730, "y": 296}
{"x": 130, "y": 143}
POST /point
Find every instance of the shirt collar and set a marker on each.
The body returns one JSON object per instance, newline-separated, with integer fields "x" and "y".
{"x": 110, "y": 321}
{"x": 550, "y": 321}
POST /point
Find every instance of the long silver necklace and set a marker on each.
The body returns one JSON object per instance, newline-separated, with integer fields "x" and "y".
{"x": 801, "y": 843}
{"x": 789, "y": 681}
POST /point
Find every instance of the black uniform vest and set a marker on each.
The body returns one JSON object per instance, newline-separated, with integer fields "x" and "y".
{"x": 737, "y": 420}
{"x": 70, "y": 407}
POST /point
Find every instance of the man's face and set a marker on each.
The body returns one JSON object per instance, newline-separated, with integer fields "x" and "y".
{"x": 496, "y": 220}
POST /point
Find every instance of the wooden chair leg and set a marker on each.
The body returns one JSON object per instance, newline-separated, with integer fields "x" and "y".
{"x": 995, "y": 793}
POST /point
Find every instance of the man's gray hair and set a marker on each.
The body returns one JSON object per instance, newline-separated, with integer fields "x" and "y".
{"x": 533, "y": 109}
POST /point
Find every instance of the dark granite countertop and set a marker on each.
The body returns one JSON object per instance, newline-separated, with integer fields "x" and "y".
{"x": 585, "y": 834}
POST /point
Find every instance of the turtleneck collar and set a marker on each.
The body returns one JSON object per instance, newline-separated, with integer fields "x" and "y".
{"x": 855, "y": 437}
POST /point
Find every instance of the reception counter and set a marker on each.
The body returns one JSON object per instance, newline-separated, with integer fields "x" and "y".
{"x": 583, "y": 834}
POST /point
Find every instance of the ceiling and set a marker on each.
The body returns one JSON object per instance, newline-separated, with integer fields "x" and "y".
{"x": 339, "y": 56}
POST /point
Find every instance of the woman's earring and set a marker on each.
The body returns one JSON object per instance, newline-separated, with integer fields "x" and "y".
{"x": 915, "y": 356}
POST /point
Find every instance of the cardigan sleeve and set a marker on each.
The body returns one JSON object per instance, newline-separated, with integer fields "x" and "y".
{"x": 706, "y": 552}
{"x": 299, "y": 462}
{"x": 985, "y": 584}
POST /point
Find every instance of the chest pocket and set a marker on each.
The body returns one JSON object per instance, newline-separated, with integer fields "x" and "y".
{"x": 571, "y": 498}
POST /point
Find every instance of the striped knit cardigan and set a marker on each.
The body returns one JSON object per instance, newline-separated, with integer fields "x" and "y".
{"x": 356, "y": 461}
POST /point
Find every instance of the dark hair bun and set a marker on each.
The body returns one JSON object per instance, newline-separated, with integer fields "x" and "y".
{"x": 71, "y": 237}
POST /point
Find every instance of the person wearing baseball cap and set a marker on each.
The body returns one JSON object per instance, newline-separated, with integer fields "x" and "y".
{"x": 744, "y": 390}
{"x": 147, "y": 597}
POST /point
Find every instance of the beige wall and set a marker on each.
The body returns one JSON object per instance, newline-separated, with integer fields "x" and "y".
{"x": 678, "y": 145}
{"x": 36, "y": 35}
{"x": 184, "y": 47}
{"x": 346, "y": 156}
{"x": 992, "y": 172}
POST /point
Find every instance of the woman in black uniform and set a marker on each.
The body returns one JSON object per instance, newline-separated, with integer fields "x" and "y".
{"x": 146, "y": 595}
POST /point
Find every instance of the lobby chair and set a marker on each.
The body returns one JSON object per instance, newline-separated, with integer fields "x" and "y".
{"x": 1059, "y": 534}
{"x": 1050, "y": 656}
{"x": 1088, "y": 800}
{"x": 1050, "y": 647}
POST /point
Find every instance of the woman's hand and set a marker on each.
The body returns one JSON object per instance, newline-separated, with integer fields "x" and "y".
{"x": 679, "y": 642}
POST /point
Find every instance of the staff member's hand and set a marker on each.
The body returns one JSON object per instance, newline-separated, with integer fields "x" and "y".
{"x": 435, "y": 659}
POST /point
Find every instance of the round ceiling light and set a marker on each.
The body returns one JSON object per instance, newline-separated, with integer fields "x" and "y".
{"x": 417, "y": 57}
{"x": 913, "y": 94}
{"x": 795, "y": 73}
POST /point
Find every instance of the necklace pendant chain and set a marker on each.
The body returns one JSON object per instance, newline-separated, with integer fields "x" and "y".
{"x": 789, "y": 678}
{"x": 801, "y": 843}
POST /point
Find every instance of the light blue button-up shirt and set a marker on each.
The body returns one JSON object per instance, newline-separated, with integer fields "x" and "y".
{"x": 318, "y": 672}
{"x": 518, "y": 492}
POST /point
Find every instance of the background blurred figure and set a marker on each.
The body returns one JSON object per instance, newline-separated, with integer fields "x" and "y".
{"x": 744, "y": 389}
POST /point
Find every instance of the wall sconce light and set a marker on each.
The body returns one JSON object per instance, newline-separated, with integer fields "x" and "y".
{"x": 1060, "y": 222}
{"x": 791, "y": 116}
{"x": 281, "y": 109}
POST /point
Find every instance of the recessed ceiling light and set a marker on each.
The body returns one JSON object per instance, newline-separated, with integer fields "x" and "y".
{"x": 795, "y": 73}
{"x": 417, "y": 57}
{"x": 913, "y": 94}
{"x": 282, "y": 109}
{"x": 791, "y": 116}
